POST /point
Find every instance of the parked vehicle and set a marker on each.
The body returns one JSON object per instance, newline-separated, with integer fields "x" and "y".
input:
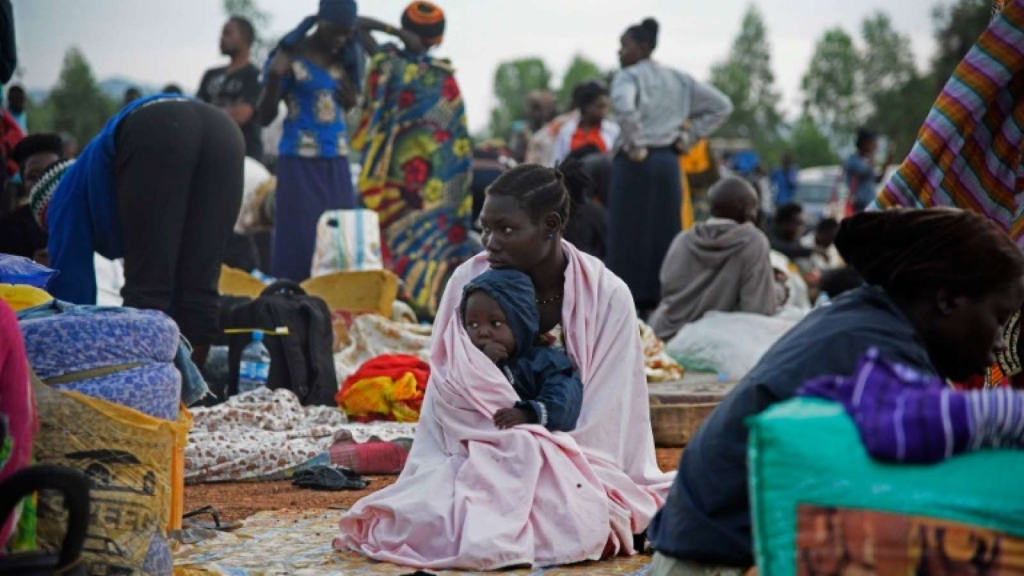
{"x": 822, "y": 192}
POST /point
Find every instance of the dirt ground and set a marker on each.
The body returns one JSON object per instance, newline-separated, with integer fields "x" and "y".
{"x": 239, "y": 500}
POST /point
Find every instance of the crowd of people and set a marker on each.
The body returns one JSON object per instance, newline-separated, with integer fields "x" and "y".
{"x": 535, "y": 259}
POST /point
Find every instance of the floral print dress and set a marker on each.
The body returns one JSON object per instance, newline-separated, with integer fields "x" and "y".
{"x": 416, "y": 169}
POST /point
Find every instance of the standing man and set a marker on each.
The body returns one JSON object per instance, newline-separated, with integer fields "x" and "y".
{"x": 235, "y": 88}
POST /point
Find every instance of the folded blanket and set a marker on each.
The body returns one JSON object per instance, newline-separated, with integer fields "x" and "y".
{"x": 389, "y": 387}
{"x": 475, "y": 497}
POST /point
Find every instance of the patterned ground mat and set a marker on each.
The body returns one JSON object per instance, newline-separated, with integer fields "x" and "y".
{"x": 299, "y": 542}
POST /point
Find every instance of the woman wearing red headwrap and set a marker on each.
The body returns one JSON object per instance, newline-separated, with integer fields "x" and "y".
{"x": 416, "y": 156}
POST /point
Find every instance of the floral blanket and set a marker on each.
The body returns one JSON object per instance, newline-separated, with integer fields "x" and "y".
{"x": 264, "y": 434}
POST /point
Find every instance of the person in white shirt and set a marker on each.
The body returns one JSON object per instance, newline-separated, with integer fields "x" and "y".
{"x": 662, "y": 112}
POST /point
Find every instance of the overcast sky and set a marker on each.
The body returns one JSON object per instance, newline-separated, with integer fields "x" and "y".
{"x": 157, "y": 42}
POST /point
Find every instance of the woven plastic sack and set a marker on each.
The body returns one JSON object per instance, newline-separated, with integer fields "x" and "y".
{"x": 726, "y": 342}
{"x": 820, "y": 505}
{"x": 129, "y": 457}
{"x": 346, "y": 241}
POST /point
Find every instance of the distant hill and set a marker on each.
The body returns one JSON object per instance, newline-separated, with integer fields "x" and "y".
{"x": 112, "y": 87}
{"x": 115, "y": 87}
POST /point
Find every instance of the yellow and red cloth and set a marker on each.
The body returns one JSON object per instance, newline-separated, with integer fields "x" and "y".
{"x": 388, "y": 387}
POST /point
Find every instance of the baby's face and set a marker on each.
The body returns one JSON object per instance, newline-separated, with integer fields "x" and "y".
{"x": 487, "y": 328}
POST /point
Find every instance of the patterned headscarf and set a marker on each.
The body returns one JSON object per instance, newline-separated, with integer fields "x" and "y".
{"x": 968, "y": 153}
{"x": 42, "y": 192}
{"x": 426, "y": 20}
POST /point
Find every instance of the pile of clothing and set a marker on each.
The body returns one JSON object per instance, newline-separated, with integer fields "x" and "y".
{"x": 388, "y": 387}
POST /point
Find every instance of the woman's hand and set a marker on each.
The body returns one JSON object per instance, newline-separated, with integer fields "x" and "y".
{"x": 508, "y": 417}
{"x": 496, "y": 352}
{"x": 346, "y": 95}
{"x": 638, "y": 154}
{"x": 683, "y": 143}
{"x": 281, "y": 63}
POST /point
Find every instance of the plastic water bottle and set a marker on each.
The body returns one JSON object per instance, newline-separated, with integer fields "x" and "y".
{"x": 254, "y": 370}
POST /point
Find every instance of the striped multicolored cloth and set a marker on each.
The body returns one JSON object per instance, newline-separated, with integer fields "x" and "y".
{"x": 968, "y": 153}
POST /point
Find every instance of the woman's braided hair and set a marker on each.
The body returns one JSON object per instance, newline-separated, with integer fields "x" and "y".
{"x": 541, "y": 190}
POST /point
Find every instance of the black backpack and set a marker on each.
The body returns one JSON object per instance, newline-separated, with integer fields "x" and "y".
{"x": 302, "y": 361}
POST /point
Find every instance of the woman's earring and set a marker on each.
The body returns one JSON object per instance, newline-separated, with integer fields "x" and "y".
{"x": 551, "y": 235}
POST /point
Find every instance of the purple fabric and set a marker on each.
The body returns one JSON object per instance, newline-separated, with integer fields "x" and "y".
{"x": 906, "y": 416}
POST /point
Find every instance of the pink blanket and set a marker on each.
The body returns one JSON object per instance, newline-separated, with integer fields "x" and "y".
{"x": 475, "y": 497}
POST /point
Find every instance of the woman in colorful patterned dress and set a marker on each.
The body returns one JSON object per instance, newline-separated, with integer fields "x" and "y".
{"x": 317, "y": 76}
{"x": 416, "y": 156}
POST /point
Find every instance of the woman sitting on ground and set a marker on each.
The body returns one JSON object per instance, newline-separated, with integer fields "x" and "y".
{"x": 930, "y": 303}
{"x": 476, "y": 497}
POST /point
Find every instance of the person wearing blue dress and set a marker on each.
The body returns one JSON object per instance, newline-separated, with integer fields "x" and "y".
{"x": 317, "y": 74}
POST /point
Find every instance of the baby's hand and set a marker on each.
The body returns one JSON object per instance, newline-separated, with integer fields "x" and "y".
{"x": 496, "y": 352}
{"x": 508, "y": 417}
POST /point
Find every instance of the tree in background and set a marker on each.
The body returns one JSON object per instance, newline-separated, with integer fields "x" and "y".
{"x": 957, "y": 27}
{"x": 580, "y": 71}
{"x": 746, "y": 77}
{"x": 76, "y": 103}
{"x": 898, "y": 95}
{"x": 888, "y": 59}
{"x": 260, "y": 19}
{"x": 512, "y": 82}
{"x": 808, "y": 146}
{"x": 832, "y": 96}
{"x": 40, "y": 116}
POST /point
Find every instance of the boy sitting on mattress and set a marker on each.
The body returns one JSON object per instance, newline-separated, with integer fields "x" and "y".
{"x": 499, "y": 311}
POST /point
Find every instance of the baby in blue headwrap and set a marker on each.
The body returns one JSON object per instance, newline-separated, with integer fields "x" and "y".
{"x": 499, "y": 311}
